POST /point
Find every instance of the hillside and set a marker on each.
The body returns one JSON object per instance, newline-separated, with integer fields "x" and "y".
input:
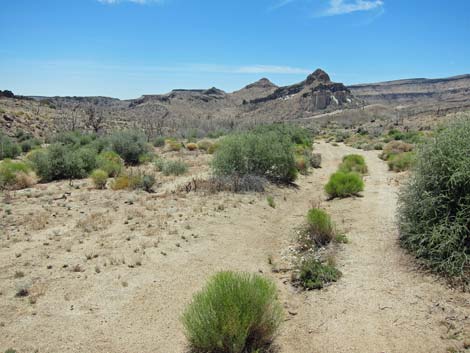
{"x": 419, "y": 95}
{"x": 315, "y": 99}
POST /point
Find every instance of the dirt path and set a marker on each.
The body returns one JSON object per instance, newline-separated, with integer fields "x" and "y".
{"x": 381, "y": 304}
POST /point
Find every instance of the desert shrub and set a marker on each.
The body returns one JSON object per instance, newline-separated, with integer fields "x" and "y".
{"x": 302, "y": 164}
{"x": 15, "y": 175}
{"x": 401, "y": 162}
{"x": 173, "y": 145}
{"x": 296, "y": 134}
{"x": 213, "y": 148}
{"x": 216, "y": 134}
{"x": 264, "y": 154}
{"x": 343, "y": 184}
{"x": 174, "y": 168}
{"x": 320, "y": 226}
{"x": 130, "y": 145}
{"x": 315, "y": 160}
{"x": 148, "y": 181}
{"x": 353, "y": 163}
{"x": 73, "y": 139}
{"x": 159, "y": 141}
{"x": 229, "y": 183}
{"x": 8, "y": 148}
{"x": 120, "y": 183}
{"x": 134, "y": 180}
{"x": 191, "y": 146}
{"x": 204, "y": 145}
{"x": 314, "y": 275}
{"x": 234, "y": 313}
{"x": 100, "y": 178}
{"x": 146, "y": 158}
{"x": 271, "y": 201}
{"x": 434, "y": 206}
{"x": 29, "y": 144}
{"x": 110, "y": 162}
{"x": 413, "y": 137}
{"x": 395, "y": 147}
{"x": 59, "y": 162}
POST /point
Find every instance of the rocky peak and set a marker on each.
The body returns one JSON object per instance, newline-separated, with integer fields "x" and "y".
{"x": 263, "y": 83}
{"x": 318, "y": 76}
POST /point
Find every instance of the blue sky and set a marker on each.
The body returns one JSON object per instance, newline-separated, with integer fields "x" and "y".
{"x": 125, "y": 48}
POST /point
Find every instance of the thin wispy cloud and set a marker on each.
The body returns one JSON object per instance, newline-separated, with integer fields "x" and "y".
{"x": 87, "y": 66}
{"x": 280, "y": 3}
{"x": 141, "y": 2}
{"x": 342, "y": 7}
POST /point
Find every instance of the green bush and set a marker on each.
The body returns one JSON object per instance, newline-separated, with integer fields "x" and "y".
{"x": 130, "y": 145}
{"x": 234, "y": 313}
{"x": 29, "y": 144}
{"x": 8, "y": 148}
{"x": 344, "y": 184}
{"x": 110, "y": 162}
{"x": 296, "y": 134}
{"x": 320, "y": 226}
{"x": 159, "y": 141}
{"x": 59, "y": 162}
{"x": 266, "y": 154}
{"x": 401, "y": 162}
{"x": 174, "y": 168}
{"x": 434, "y": 206}
{"x": 100, "y": 178}
{"x": 314, "y": 275}
{"x": 14, "y": 174}
{"x": 353, "y": 163}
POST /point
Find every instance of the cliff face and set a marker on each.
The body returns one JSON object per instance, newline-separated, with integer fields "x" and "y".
{"x": 451, "y": 93}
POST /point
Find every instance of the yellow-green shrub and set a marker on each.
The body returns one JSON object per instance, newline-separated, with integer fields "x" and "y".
{"x": 100, "y": 178}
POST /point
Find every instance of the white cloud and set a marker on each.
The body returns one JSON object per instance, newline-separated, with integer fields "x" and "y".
{"x": 341, "y": 7}
{"x": 270, "y": 69}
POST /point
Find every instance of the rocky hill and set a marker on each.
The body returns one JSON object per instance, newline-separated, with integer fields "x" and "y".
{"x": 316, "y": 98}
{"x": 418, "y": 95}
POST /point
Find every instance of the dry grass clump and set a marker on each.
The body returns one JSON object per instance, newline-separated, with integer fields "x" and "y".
{"x": 320, "y": 227}
{"x": 94, "y": 222}
{"x": 395, "y": 147}
{"x": 204, "y": 145}
{"x": 231, "y": 183}
{"x": 15, "y": 175}
{"x": 191, "y": 146}
{"x": 173, "y": 145}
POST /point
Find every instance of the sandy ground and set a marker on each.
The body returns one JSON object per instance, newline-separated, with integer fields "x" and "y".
{"x": 112, "y": 271}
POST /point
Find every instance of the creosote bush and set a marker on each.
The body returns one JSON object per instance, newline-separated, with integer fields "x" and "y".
{"x": 130, "y": 145}
{"x": 234, "y": 313}
{"x": 266, "y": 154}
{"x": 353, "y": 163}
{"x": 343, "y": 184}
{"x": 434, "y": 206}
{"x": 320, "y": 226}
